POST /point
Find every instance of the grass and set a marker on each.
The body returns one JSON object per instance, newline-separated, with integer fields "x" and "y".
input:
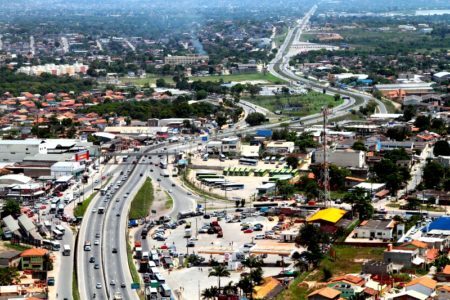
{"x": 240, "y": 77}
{"x": 75, "y": 291}
{"x": 81, "y": 209}
{"x": 390, "y": 107}
{"x": 348, "y": 259}
{"x": 142, "y": 202}
{"x": 151, "y": 78}
{"x": 169, "y": 201}
{"x": 17, "y": 247}
{"x": 302, "y": 105}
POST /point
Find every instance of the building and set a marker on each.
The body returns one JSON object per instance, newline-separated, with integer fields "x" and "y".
{"x": 34, "y": 259}
{"x": 280, "y": 147}
{"x": 375, "y": 229}
{"x": 424, "y": 285}
{"x": 402, "y": 258}
{"x": 9, "y": 258}
{"x": 328, "y": 218}
{"x": 231, "y": 145}
{"x": 349, "y": 285}
{"x": 443, "y": 293}
{"x": 441, "y": 76}
{"x": 378, "y": 268}
{"x": 325, "y": 293}
{"x": 186, "y": 60}
{"x": 269, "y": 289}
{"x": 418, "y": 88}
{"x": 347, "y": 158}
{"x": 66, "y": 168}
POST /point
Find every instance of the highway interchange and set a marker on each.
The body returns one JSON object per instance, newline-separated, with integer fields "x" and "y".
{"x": 112, "y": 225}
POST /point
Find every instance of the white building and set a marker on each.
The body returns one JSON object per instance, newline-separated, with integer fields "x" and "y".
{"x": 66, "y": 168}
{"x": 230, "y": 145}
{"x": 376, "y": 229}
{"x": 279, "y": 147}
{"x": 347, "y": 158}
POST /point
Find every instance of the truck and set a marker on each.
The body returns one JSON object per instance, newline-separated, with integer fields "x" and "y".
{"x": 138, "y": 252}
{"x": 188, "y": 233}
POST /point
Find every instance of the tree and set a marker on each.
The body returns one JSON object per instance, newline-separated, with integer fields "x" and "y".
{"x": 311, "y": 236}
{"x": 200, "y": 95}
{"x": 359, "y": 146}
{"x": 210, "y": 293}
{"x": 246, "y": 285}
{"x": 337, "y": 97}
{"x": 423, "y": 122}
{"x": 11, "y": 207}
{"x": 441, "y": 148}
{"x": 284, "y": 188}
{"x": 221, "y": 119}
{"x": 433, "y": 172}
{"x": 230, "y": 289}
{"x": 255, "y": 118}
{"x": 292, "y": 161}
{"x": 361, "y": 203}
{"x": 8, "y": 276}
{"x": 219, "y": 271}
{"x": 160, "y": 82}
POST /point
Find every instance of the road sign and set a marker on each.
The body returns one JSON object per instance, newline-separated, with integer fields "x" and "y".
{"x": 135, "y": 286}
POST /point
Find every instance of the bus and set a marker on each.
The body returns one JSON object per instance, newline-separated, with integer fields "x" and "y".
{"x": 47, "y": 224}
{"x": 51, "y": 245}
{"x": 60, "y": 228}
{"x": 232, "y": 186}
{"x": 103, "y": 191}
{"x": 125, "y": 158}
{"x": 265, "y": 204}
{"x": 60, "y": 209}
{"x": 87, "y": 246}
{"x": 66, "y": 250}
{"x": 58, "y": 235}
{"x": 52, "y": 208}
{"x": 165, "y": 291}
{"x": 248, "y": 161}
{"x": 163, "y": 164}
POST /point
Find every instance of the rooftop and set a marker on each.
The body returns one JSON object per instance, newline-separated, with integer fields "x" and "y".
{"x": 34, "y": 252}
{"x": 425, "y": 281}
{"x": 377, "y": 224}
{"x": 332, "y": 215}
{"x": 326, "y": 292}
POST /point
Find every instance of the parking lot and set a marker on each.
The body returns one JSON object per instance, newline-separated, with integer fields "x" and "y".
{"x": 190, "y": 281}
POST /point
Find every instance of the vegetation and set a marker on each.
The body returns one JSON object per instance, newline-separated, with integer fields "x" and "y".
{"x": 441, "y": 148}
{"x": 219, "y": 271}
{"x": 140, "y": 207}
{"x": 11, "y": 207}
{"x": 255, "y": 118}
{"x": 169, "y": 201}
{"x": 16, "y": 83}
{"x": 361, "y": 203}
{"x": 296, "y": 105}
{"x": 75, "y": 291}
{"x": 17, "y": 247}
{"x": 387, "y": 171}
{"x": 8, "y": 276}
{"x": 81, "y": 208}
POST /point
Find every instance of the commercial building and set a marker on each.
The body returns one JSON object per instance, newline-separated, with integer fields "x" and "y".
{"x": 66, "y": 168}
{"x": 441, "y": 76}
{"x": 231, "y": 145}
{"x": 34, "y": 259}
{"x": 280, "y": 147}
{"x": 185, "y": 60}
{"x": 400, "y": 91}
{"x": 347, "y": 158}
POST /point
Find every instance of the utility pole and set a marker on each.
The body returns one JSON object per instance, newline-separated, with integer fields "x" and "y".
{"x": 326, "y": 175}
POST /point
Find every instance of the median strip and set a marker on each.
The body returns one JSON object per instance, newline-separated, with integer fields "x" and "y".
{"x": 140, "y": 207}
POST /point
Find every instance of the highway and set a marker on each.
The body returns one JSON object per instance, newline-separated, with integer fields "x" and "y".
{"x": 279, "y": 67}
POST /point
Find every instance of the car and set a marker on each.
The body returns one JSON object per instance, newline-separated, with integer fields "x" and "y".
{"x": 239, "y": 210}
{"x": 97, "y": 235}
{"x": 113, "y": 282}
{"x": 173, "y": 184}
{"x": 159, "y": 179}
{"x": 123, "y": 285}
{"x": 96, "y": 181}
{"x": 248, "y": 230}
{"x": 206, "y": 216}
{"x": 92, "y": 259}
{"x": 96, "y": 266}
{"x": 260, "y": 237}
{"x": 96, "y": 242}
{"x": 98, "y": 285}
{"x": 118, "y": 215}
{"x": 94, "y": 210}
{"x": 159, "y": 238}
{"x": 141, "y": 174}
{"x": 189, "y": 193}
{"x": 203, "y": 230}
{"x": 190, "y": 244}
{"x": 114, "y": 250}
{"x": 117, "y": 200}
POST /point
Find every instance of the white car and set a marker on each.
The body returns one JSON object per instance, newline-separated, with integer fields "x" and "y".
{"x": 94, "y": 210}
{"x": 96, "y": 242}
{"x": 260, "y": 237}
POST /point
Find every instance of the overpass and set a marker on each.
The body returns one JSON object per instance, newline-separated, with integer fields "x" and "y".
{"x": 301, "y": 47}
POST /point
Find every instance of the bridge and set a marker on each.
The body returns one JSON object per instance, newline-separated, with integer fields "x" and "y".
{"x": 300, "y": 47}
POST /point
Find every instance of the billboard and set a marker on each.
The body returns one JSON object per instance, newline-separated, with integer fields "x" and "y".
{"x": 82, "y": 156}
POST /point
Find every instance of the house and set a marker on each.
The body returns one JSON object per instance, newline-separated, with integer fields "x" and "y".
{"x": 402, "y": 258}
{"x": 349, "y": 285}
{"x": 325, "y": 293}
{"x": 444, "y": 275}
{"x": 443, "y": 293}
{"x": 377, "y": 268}
{"x": 9, "y": 258}
{"x": 269, "y": 289}
{"x": 424, "y": 285}
{"x": 375, "y": 229}
{"x": 34, "y": 259}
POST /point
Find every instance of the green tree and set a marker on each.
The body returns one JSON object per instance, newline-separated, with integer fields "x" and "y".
{"x": 423, "y": 123}
{"x": 9, "y": 276}
{"x": 433, "y": 172}
{"x": 161, "y": 82}
{"x": 11, "y": 207}
{"x": 255, "y": 118}
{"x": 360, "y": 202}
{"x": 441, "y": 148}
{"x": 359, "y": 146}
{"x": 337, "y": 97}
{"x": 219, "y": 272}
{"x": 284, "y": 188}
{"x": 210, "y": 293}
{"x": 200, "y": 95}
{"x": 292, "y": 161}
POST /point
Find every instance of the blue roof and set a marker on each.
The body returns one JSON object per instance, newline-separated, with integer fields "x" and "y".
{"x": 441, "y": 223}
